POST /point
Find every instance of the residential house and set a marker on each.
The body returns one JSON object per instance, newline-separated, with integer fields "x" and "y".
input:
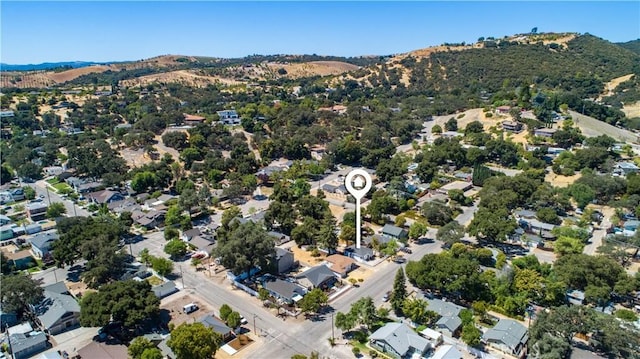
{"x": 284, "y": 291}
{"x": 459, "y": 185}
{"x": 7, "y": 319}
{"x": 512, "y": 126}
{"x": 449, "y": 322}
{"x": 339, "y": 189}
{"x": 381, "y": 239}
{"x": 630, "y": 227}
{"x": 433, "y": 336}
{"x": 503, "y": 110}
{"x": 265, "y": 173}
{"x": 7, "y": 233}
{"x": 625, "y": 168}
{"x": 22, "y": 328}
{"x": 17, "y": 194}
{"x": 283, "y": 260}
{"x": 340, "y": 265}
{"x": 126, "y": 205}
{"x": 399, "y": 341}
{"x": 508, "y": 336}
{"x": 203, "y": 243}
{"x": 447, "y": 351}
{"x": 59, "y": 310}
{"x": 544, "y": 132}
{"x": 41, "y": 243}
{"x": 4, "y": 220}
{"x": 27, "y": 344}
{"x": 451, "y": 134}
{"x": 30, "y": 229}
{"x": 192, "y": 120}
{"x": 53, "y": 170}
{"x": 123, "y": 126}
{"x": 150, "y": 219}
{"x": 165, "y": 289}
{"x": 319, "y": 276}
{"x": 575, "y": 297}
{"x": 362, "y": 254}
{"x": 218, "y": 326}
{"x": 96, "y": 350}
{"x": 104, "y": 197}
{"x": 229, "y": 117}
{"x": 21, "y": 259}
{"x": 394, "y": 232}
{"x": 535, "y": 226}
{"x": 37, "y": 211}
{"x": 279, "y": 238}
{"x": 7, "y": 113}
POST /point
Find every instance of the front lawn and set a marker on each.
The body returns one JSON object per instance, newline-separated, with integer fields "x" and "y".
{"x": 53, "y": 181}
{"x": 62, "y": 187}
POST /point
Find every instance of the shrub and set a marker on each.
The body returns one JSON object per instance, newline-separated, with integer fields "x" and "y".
{"x": 356, "y": 351}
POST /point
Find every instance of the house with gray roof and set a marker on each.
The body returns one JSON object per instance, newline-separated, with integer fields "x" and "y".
{"x": 279, "y": 238}
{"x": 58, "y": 311}
{"x": 165, "y": 289}
{"x": 104, "y": 197}
{"x": 399, "y": 341}
{"x": 449, "y": 322}
{"x": 319, "y": 276}
{"x": 283, "y": 260}
{"x": 41, "y": 243}
{"x": 284, "y": 291}
{"x": 361, "y": 254}
{"x": 218, "y": 326}
{"x": 508, "y": 336}
{"x": 26, "y": 345}
{"x": 394, "y": 231}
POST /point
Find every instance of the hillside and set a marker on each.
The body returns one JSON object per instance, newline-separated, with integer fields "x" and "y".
{"x": 633, "y": 45}
{"x": 188, "y": 70}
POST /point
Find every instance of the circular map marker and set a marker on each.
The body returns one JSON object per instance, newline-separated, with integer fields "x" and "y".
{"x": 358, "y": 183}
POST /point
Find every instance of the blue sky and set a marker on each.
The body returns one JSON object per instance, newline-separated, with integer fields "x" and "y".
{"x": 34, "y": 32}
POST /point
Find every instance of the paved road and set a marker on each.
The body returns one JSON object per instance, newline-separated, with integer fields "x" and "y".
{"x": 50, "y": 196}
{"x": 283, "y": 338}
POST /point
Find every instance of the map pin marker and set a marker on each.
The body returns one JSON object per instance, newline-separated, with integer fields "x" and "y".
{"x": 358, "y": 183}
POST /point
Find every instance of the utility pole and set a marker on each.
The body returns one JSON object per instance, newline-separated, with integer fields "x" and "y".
{"x": 333, "y": 337}
{"x": 254, "y": 324}
{"x": 55, "y": 276}
{"x": 48, "y": 196}
{"x": 182, "y": 278}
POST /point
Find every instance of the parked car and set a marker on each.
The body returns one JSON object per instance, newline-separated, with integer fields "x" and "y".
{"x": 406, "y": 250}
{"x": 385, "y": 297}
{"x": 243, "y": 320}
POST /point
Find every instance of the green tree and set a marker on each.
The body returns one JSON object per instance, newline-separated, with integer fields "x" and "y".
{"x": 450, "y": 233}
{"x": 417, "y": 230}
{"x": 171, "y": 233}
{"x": 248, "y": 246}
{"x": 175, "y": 216}
{"x": 29, "y": 193}
{"x": 56, "y": 209}
{"x": 128, "y": 302}
{"x": 138, "y": 346}
{"x": 436, "y": 129}
{"x": 567, "y": 245}
{"x": 194, "y": 341}
{"x": 313, "y": 301}
{"x": 345, "y": 322}
{"x": 416, "y": 310}
{"x": 548, "y": 215}
{"x": 471, "y": 335}
{"x": 18, "y": 292}
{"x": 399, "y": 294}
{"x": 437, "y": 213}
{"x": 152, "y": 353}
{"x": 451, "y": 124}
{"x": 233, "y": 319}
{"x": 144, "y": 181}
{"x": 175, "y": 248}
{"x": 225, "y": 311}
{"x": 162, "y": 266}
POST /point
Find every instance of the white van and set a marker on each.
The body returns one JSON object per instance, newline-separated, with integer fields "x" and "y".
{"x": 190, "y": 308}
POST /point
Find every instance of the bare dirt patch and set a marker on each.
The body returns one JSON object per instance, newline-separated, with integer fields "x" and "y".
{"x": 175, "y": 305}
{"x": 313, "y": 68}
{"x": 186, "y": 77}
{"x": 611, "y": 85}
{"x": 561, "y": 181}
{"x": 69, "y": 75}
{"x": 632, "y": 110}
